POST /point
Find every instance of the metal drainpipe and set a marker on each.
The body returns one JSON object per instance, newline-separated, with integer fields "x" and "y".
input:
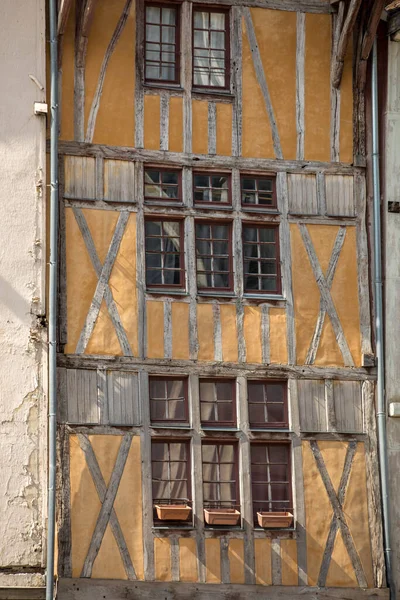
{"x": 381, "y": 408}
{"x": 51, "y": 517}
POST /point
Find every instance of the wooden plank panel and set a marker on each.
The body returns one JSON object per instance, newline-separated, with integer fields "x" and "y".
{"x": 80, "y": 178}
{"x": 213, "y": 560}
{"x": 155, "y": 329}
{"x": 311, "y": 396}
{"x": 123, "y": 398}
{"x": 347, "y": 399}
{"x": 162, "y": 559}
{"x": 236, "y": 560}
{"x": 82, "y": 396}
{"x": 262, "y": 549}
{"x": 119, "y": 181}
{"x": 252, "y": 334}
{"x": 340, "y": 195}
{"x": 302, "y": 194}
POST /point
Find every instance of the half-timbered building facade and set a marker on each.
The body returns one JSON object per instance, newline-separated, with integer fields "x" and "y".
{"x": 215, "y": 361}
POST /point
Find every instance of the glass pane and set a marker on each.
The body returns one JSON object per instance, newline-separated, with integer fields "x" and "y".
{"x": 227, "y": 453}
{"x": 210, "y": 453}
{"x": 160, "y": 470}
{"x": 153, "y": 228}
{"x": 178, "y": 470}
{"x": 153, "y": 260}
{"x": 228, "y": 492}
{"x": 207, "y": 391}
{"x": 203, "y": 247}
{"x": 258, "y": 473}
{"x": 268, "y": 268}
{"x": 152, "y": 33}
{"x": 251, "y": 283}
{"x": 218, "y": 40}
{"x": 248, "y": 184}
{"x": 201, "y": 181}
{"x": 201, "y": 19}
{"x": 152, "y": 14}
{"x": 248, "y": 198}
{"x": 179, "y": 490}
{"x": 168, "y": 72}
{"x": 224, "y": 390}
{"x": 208, "y": 412}
{"x": 219, "y": 182}
{"x": 202, "y": 231}
{"x": 152, "y": 72}
{"x": 255, "y": 391}
{"x": 178, "y": 451}
{"x": 220, "y": 232}
{"x": 268, "y": 284}
{"x": 176, "y": 410}
{"x": 266, "y": 234}
{"x": 225, "y": 411}
{"x": 221, "y": 264}
{"x": 250, "y": 251}
{"x": 158, "y": 411}
{"x": 220, "y": 196}
{"x": 168, "y": 16}
{"x": 202, "y": 195}
{"x": 221, "y": 281}
{"x": 258, "y": 454}
{"x": 201, "y": 78}
{"x": 278, "y": 453}
{"x": 256, "y": 414}
{"x": 153, "y": 55}
{"x": 175, "y": 389}
{"x": 268, "y": 251}
{"x": 220, "y": 248}
{"x": 159, "y": 451}
{"x": 265, "y": 185}
{"x": 160, "y": 490}
{"x": 168, "y": 177}
{"x": 217, "y": 20}
{"x": 210, "y": 491}
{"x": 203, "y": 264}
{"x": 168, "y": 35}
{"x": 201, "y": 39}
{"x": 157, "y": 388}
{"x": 153, "y": 277}
{"x": 275, "y": 392}
{"x": 172, "y": 228}
{"x": 171, "y": 192}
{"x": 172, "y": 278}
{"x": 217, "y": 80}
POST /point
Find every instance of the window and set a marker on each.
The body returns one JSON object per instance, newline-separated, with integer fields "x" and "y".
{"x": 261, "y": 259}
{"x": 170, "y": 472}
{"x": 162, "y": 43}
{"x": 214, "y": 256}
{"x": 271, "y": 478}
{"x": 258, "y": 192}
{"x": 210, "y": 48}
{"x": 211, "y": 189}
{"x": 164, "y": 253}
{"x": 217, "y": 402}
{"x": 267, "y": 403}
{"x": 168, "y": 399}
{"x": 220, "y": 477}
{"x": 162, "y": 185}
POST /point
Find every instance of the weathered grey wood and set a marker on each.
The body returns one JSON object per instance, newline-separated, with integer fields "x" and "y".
{"x": 79, "y": 177}
{"x": 22, "y": 593}
{"x": 340, "y": 195}
{"x": 62, "y": 262}
{"x": 331, "y": 422}
{"x": 348, "y": 406}
{"x": 98, "y": 267}
{"x": 225, "y": 570}
{"x": 140, "y": 263}
{"x": 107, "y": 512}
{"x": 302, "y": 194}
{"x": 190, "y": 265}
{"x": 259, "y": 69}
{"x": 64, "y": 503}
{"x": 300, "y": 85}
{"x": 164, "y": 121}
{"x": 326, "y": 559}
{"x": 102, "y": 397}
{"x": 175, "y": 559}
{"x": 186, "y": 73}
{"x": 78, "y": 589}
{"x": 236, "y": 60}
{"x": 368, "y": 40}
{"x": 311, "y": 396}
{"x": 301, "y": 372}
{"x": 321, "y": 195}
{"x": 286, "y": 264}
{"x": 339, "y": 515}
{"x": 102, "y": 283}
{"x": 373, "y": 485}
{"x": 363, "y": 265}
{"x": 107, "y": 508}
{"x": 139, "y": 75}
{"x": 99, "y": 88}
{"x": 212, "y": 128}
{"x": 326, "y": 296}
{"x": 338, "y": 60}
{"x": 99, "y": 178}
{"x": 217, "y": 332}
{"x": 298, "y": 482}
{"x": 119, "y": 181}
{"x": 276, "y": 561}
{"x": 265, "y": 334}
{"x": 315, "y": 341}
{"x": 123, "y": 398}
{"x": 72, "y": 396}
{"x": 85, "y": 404}
{"x": 62, "y": 405}
{"x": 63, "y": 13}
{"x": 168, "y": 329}
{"x": 335, "y": 92}
{"x": 200, "y": 160}
{"x": 84, "y": 12}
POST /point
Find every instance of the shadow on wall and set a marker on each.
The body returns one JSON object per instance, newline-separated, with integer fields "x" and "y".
{"x": 13, "y": 301}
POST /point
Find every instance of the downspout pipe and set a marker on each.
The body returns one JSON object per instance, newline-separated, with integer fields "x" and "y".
{"x": 379, "y": 333}
{"x": 52, "y": 315}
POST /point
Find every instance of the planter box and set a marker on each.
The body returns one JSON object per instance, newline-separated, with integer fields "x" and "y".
{"x": 221, "y": 516}
{"x": 173, "y": 512}
{"x": 278, "y": 520}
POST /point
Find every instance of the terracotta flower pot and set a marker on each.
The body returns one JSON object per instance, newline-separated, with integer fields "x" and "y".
{"x": 221, "y": 516}
{"x": 173, "y": 512}
{"x": 277, "y": 520}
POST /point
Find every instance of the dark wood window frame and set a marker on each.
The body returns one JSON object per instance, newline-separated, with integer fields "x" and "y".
{"x": 258, "y": 207}
{"x": 220, "y": 423}
{"x": 172, "y": 286}
{"x": 177, "y": 66}
{"x": 166, "y": 379}
{"x": 283, "y": 505}
{"x": 187, "y": 443}
{"x": 227, "y": 49}
{"x": 278, "y": 288}
{"x": 215, "y": 222}
{"x": 162, "y": 200}
{"x": 208, "y": 503}
{"x": 210, "y": 203}
{"x": 284, "y": 424}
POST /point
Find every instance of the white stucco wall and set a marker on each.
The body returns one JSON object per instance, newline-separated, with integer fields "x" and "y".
{"x": 391, "y": 225}
{"x": 22, "y": 278}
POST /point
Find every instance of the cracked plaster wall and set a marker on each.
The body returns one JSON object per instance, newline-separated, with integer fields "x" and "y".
{"x": 22, "y": 288}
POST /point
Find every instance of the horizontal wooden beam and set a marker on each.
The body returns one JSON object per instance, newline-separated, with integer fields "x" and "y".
{"x": 87, "y": 589}
{"x": 124, "y": 363}
{"x": 22, "y": 593}
{"x": 201, "y": 160}
{"x": 338, "y": 59}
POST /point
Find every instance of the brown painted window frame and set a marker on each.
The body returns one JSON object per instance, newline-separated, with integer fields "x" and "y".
{"x": 222, "y": 442}
{"x": 227, "y": 49}
{"x": 230, "y": 257}
{"x": 259, "y": 207}
{"x": 289, "y": 482}
{"x": 177, "y": 78}
{"x": 162, "y": 201}
{"x": 184, "y": 379}
{"x": 276, "y": 228}
{"x": 187, "y": 443}
{"x": 167, "y": 286}
{"x": 213, "y": 205}
{"x": 268, "y": 425}
{"x": 216, "y": 424}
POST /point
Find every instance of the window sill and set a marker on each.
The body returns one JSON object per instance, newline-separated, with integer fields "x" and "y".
{"x": 212, "y": 294}
{"x": 261, "y": 297}
{"x": 163, "y": 203}
{"x": 264, "y": 211}
{"x": 213, "y": 206}
{"x": 172, "y": 528}
{"x": 217, "y": 429}
{"x": 166, "y": 292}
{"x": 212, "y": 92}
{"x": 269, "y": 430}
{"x": 171, "y": 426}
{"x": 175, "y": 87}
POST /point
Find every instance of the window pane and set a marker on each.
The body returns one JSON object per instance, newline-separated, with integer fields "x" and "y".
{"x": 201, "y": 19}
{"x": 209, "y": 49}
{"x": 217, "y": 40}
{"x": 152, "y": 14}
{"x": 167, "y": 245}
{"x": 152, "y": 33}
{"x": 168, "y": 16}
{"x": 267, "y": 404}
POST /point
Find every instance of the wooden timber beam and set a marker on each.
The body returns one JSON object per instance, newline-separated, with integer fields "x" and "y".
{"x": 87, "y": 17}
{"x": 63, "y": 12}
{"x": 368, "y": 41}
{"x": 83, "y": 21}
{"x": 338, "y": 59}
